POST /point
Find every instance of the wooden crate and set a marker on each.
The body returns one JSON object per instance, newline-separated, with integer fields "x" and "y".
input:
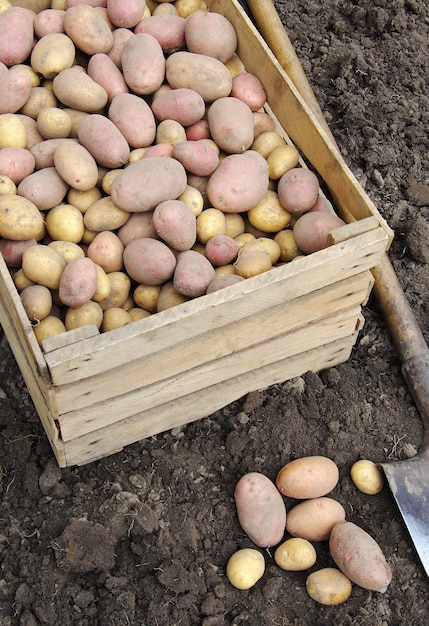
{"x": 96, "y": 393}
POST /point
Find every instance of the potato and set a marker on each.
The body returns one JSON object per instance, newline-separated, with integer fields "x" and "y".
{"x": 65, "y": 222}
{"x": 67, "y": 249}
{"x": 169, "y": 297}
{"x": 32, "y": 134}
{"x": 367, "y": 477}
{"x": 16, "y": 35}
{"x": 12, "y": 251}
{"x": 311, "y": 230}
{"x": 21, "y": 281}
{"x": 234, "y": 225}
{"x": 221, "y": 250}
{"x": 322, "y": 204}
{"x": 146, "y": 297}
{"x": 88, "y": 313}
{"x": 220, "y": 282}
{"x": 76, "y": 165}
{"x": 78, "y": 282}
{"x": 120, "y": 285}
{"x": 307, "y": 477}
{"x": 103, "y": 71}
{"x": 252, "y": 262}
{"x": 281, "y": 160}
{"x": 359, "y": 557}
{"x": 138, "y": 314}
{"x": 260, "y": 508}
{"x": 175, "y": 223}
{"x": 114, "y": 318}
{"x": 198, "y": 130}
{"x": 328, "y": 586}
{"x": 39, "y": 98}
{"x": 50, "y": 326}
{"x": 196, "y": 157}
{"x": 143, "y": 64}
{"x": 87, "y": 29}
{"x": 204, "y": 74}
{"x": 48, "y": 21}
{"x": 53, "y": 53}
{"x": 168, "y": 30}
{"x": 268, "y": 215}
{"x": 125, "y": 14}
{"x": 12, "y": 131}
{"x": 288, "y": 247}
{"x": 149, "y": 261}
{"x": 295, "y": 555}
{"x": 298, "y": 189}
{"x": 77, "y": 90}
{"x": 239, "y": 182}
{"x": 43, "y": 152}
{"x": 193, "y": 274}
{"x": 186, "y": 7}
{"x": 169, "y": 132}
{"x": 45, "y": 188}
{"x": 15, "y": 88}
{"x": 183, "y": 105}
{"x": 193, "y": 198}
{"x": 161, "y": 149}
{"x": 120, "y": 36}
{"x": 211, "y": 34}
{"x": 76, "y": 117}
{"x": 20, "y": 218}
{"x": 210, "y": 222}
{"x": 314, "y": 519}
{"x": 263, "y": 244}
{"x": 83, "y": 199}
{"x": 263, "y": 123}
{"x": 43, "y": 265}
{"x": 106, "y": 250}
{"x": 7, "y": 186}
{"x": 245, "y": 567}
{"x": 16, "y": 163}
{"x": 231, "y": 124}
{"x": 99, "y": 135}
{"x": 267, "y": 141}
{"x": 134, "y": 118}
{"x": 137, "y": 226}
{"x": 53, "y": 122}
{"x": 248, "y": 88}
{"x": 105, "y": 215}
{"x": 148, "y": 182}
{"x": 37, "y": 302}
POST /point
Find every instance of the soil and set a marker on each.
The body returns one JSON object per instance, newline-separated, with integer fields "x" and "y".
{"x": 143, "y": 537}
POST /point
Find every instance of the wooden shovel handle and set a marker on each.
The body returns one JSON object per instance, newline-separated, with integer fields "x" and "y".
{"x": 403, "y": 327}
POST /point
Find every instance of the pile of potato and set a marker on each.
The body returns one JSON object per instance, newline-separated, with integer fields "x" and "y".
{"x": 138, "y": 167}
{"x": 316, "y": 517}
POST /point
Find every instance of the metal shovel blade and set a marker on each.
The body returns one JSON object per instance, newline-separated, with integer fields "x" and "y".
{"x": 409, "y": 483}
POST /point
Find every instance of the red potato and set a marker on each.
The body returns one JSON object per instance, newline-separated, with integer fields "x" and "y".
{"x": 183, "y": 105}
{"x": 231, "y": 124}
{"x": 120, "y": 36}
{"x": 32, "y": 133}
{"x": 200, "y": 72}
{"x": 168, "y": 30}
{"x": 197, "y": 158}
{"x": 45, "y": 188}
{"x": 239, "y": 182}
{"x": 193, "y": 274}
{"x": 211, "y": 34}
{"x": 359, "y": 557}
{"x": 137, "y": 226}
{"x": 125, "y": 13}
{"x": 220, "y": 282}
{"x": 16, "y": 163}
{"x": 221, "y": 250}
{"x": 311, "y": 230}
{"x": 159, "y": 150}
{"x": 15, "y": 88}
{"x": 87, "y": 29}
{"x": 175, "y": 223}
{"x": 143, "y": 64}
{"x": 78, "y": 282}
{"x": 76, "y": 165}
{"x": 134, "y": 118}
{"x": 43, "y": 151}
{"x": 322, "y": 204}
{"x": 314, "y": 519}
{"x": 307, "y": 477}
{"x": 106, "y": 250}
{"x": 103, "y": 71}
{"x": 103, "y": 139}
{"x": 298, "y": 189}
{"x": 143, "y": 185}
{"x": 198, "y": 130}
{"x": 248, "y": 88}
{"x": 76, "y": 89}
{"x": 12, "y": 251}
{"x": 16, "y": 35}
{"x": 260, "y": 508}
{"x": 263, "y": 123}
{"x": 149, "y": 261}
{"x": 49, "y": 21}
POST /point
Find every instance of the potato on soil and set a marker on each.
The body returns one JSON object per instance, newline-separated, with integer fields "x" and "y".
{"x": 245, "y": 567}
{"x": 295, "y": 555}
{"x": 314, "y": 519}
{"x": 149, "y": 261}
{"x": 367, "y": 476}
{"x": 78, "y": 282}
{"x": 260, "y": 508}
{"x": 20, "y": 218}
{"x": 307, "y": 477}
{"x": 359, "y": 557}
{"x": 328, "y": 586}
{"x": 193, "y": 274}
{"x": 175, "y": 223}
{"x": 37, "y": 302}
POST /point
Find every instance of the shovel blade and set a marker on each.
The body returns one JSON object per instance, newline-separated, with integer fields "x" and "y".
{"x": 409, "y": 483}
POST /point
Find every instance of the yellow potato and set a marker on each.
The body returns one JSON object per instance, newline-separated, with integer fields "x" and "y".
{"x": 244, "y": 238}
{"x": 235, "y": 65}
{"x": 171, "y": 132}
{"x": 83, "y": 199}
{"x": 328, "y": 586}
{"x": 245, "y": 567}
{"x": 48, "y": 327}
{"x": 120, "y": 285}
{"x": 224, "y": 270}
{"x": 234, "y": 225}
{"x": 12, "y": 131}
{"x": 367, "y": 477}
{"x": 138, "y": 314}
{"x": 210, "y": 222}
{"x": 7, "y": 186}
{"x": 105, "y": 215}
{"x": 282, "y": 159}
{"x": 108, "y": 179}
{"x": 52, "y": 53}
{"x": 146, "y": 297}
{"x": 268, "y": 215}
{"x": 295, "y": 555}
{"x": 266, "y": 142}
{"x": 288, "y": 248}
{"x": 21, "y": 280}
{"x": 169, "y": 297}
{"x": 43, "y": 265}
{"x": 252, "y": 263}
{"x": 39, "y": 98}
{"x": 34, "y": 77}
{"x": 68, "y": 250}
{"x": 37, "y": 302}
{"x": 4, "y": 5}
{"x": 88, "y": 313}
{"x": 263, "y": 244}
{"x": 65, "y": 223}
{"x": 53, "y": 122}
{"x": 193, "y": 198}
{"x": 103, "y": 286}
{"x": 20, "y": 219}
{"x": 115, "y": 317}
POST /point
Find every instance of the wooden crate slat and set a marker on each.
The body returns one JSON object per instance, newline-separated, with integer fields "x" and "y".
{"x": 194, "y": 406}
{"x": 195, "y": 351}
{"x": 206, "y": 375}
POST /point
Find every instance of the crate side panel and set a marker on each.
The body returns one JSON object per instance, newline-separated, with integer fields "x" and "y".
{"x": 313, "y": 335}
{"x": 196, "y": 317}
{"x": 198, "y": 405}
{"x": 214, "y": 344}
